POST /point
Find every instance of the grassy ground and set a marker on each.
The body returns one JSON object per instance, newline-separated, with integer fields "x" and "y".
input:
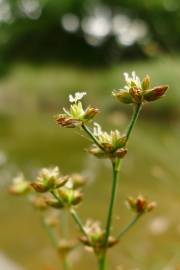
{"x": 30, "y": 139}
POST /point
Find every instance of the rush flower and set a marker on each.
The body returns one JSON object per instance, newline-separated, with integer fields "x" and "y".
{"x": 137, "y": 91}
{"x": 113, "y": 143}
{"x": 140, "y": 205}
{"x": 20, "y": 186}
{"x": 49, "y": 179}
{"x": 95, "y": 237}
{"x": 76, "y": 115}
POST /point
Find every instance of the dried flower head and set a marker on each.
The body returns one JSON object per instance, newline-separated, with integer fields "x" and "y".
{"x": 137, "y": 91}
{"x": 48, "y": 179}
{"x": 20, "y": 186}
{"x": 140, "y": 205}
{"x": 76, "y": 115}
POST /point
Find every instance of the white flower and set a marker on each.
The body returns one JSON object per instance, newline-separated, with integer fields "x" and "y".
{"x": 134, "y": 80}
{"x": 48, "y": 173}
{"x": 77, "y": 96}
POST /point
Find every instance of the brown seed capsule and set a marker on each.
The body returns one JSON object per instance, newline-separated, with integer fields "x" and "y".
{"x": 140, "y": 205}
{"x": 120, "y": 153}
{"x": 155, "y": 93}
{"x": 67, "y": 122}
{"x": 39, "y": 187}
{"x": 54, "y": 203}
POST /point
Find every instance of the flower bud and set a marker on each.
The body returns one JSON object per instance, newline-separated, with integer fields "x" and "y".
{"x": 120, "y": 153}
{"x": 50, "y": 201}
{"x": 146, "y": 82}
{"x": 70, "y": 197}
{"x": 97, "y": 152}
{"x": 136, "y": 94}
{"x": 90, "y": 113}
{"x": 96, "y": 237}
{"x": 155, "y": 93}
{"x": 140, "y": 205}
{"x": 67, "y": 122}
{"x": 20, "y": 186}
{"x": 123, "y": 96}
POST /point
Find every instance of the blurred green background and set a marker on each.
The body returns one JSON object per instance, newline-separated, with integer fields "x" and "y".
{"x": 49, "y": 49}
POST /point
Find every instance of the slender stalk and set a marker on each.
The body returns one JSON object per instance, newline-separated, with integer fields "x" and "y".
{"x": 65, "y": 224}
{"x": 111, "y": 204}
{"x": 91, "y": 135}
{"x": 65, "y": 264}
{"x": 133, "y": 120}
{"x": 73, "y": 214}
{"x": 132, "y": 123}
{"x": 129, "y": 226}
{"x": 116, "y": 168}
{"x": 51, "y": 233}
{"x": 102, "y": 260}
{"x": 78, "y": 221}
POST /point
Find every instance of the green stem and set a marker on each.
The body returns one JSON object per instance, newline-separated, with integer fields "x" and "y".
{"x": 129, "y": 226}
{"x": 73, "y": 214}
{"x": 111, "y": 204}
{"x": 132, "y": 123}
{"x": 116, "y": 168}
{"x": 102, "y": 262}
{"x": 91, "y": 135}
{"x": 65, "y": 224}
{"x": 51, "y": 232}
{"x": 65, "y": 264}
{"x": 133, "y": 120}
{"x": 78, "y": 221}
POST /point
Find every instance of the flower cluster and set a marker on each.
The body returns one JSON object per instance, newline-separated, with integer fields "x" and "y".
{"x": 113, "y": 143}
{"x": 137, "y": 91}
{"x": 95, "y": 238}
{"x": 51, "y": 189}
{"x": 76, "y": 115}
{"x": 49, "y": 179}
{"x": 20, "y": 185}
{"x": 140, "y": 205}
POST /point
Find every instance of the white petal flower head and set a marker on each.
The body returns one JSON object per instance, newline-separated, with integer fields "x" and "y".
{"x": 132, "y": 80}
{"x": 52, "y": 172}
{"x": 77, "y": 96}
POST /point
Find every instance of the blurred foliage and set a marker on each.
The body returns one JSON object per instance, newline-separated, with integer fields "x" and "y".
{"x": 32, "y": 29}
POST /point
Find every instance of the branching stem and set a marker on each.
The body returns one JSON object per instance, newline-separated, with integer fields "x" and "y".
{"x": 129, "y": 226}
{"x": 91, "y": 135}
